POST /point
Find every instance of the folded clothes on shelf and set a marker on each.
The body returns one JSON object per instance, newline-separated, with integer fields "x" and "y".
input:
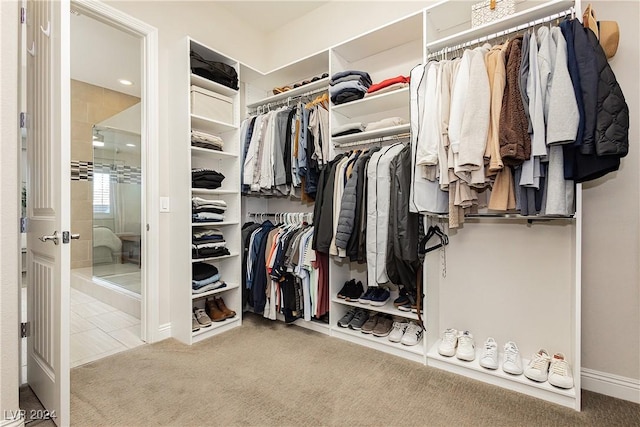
{"x": 347, "y": 86}
{"x": 210, "y": 287}
{"x": 207, "y": 250}
{"x": 206, "y": 178}
{"x": 386, "y": 123}
{"x": 202, "y": 271}
{"x": 387, "y": 89}
{"x": 205, "y": 140}
{"x": 348, "y": 129}
{"x": 197, "y": 284}
{"x": 204, "y": 235}
{"x": 389, "y": 82}
{"x": 207, "y": 217}
{"x": 200, "y": 202}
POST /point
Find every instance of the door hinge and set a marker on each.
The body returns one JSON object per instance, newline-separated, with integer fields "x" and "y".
{"x": 23, "y": 224}
{"x": 25, "y": 329}
{"x": 23, "y": 120}
{"x": 147, "y": 227}
{"x": 23, "y": 15}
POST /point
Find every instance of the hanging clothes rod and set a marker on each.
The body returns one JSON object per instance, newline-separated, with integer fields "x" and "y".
{"x": 403, "y": 137}
{"x": 484, "y": 39}
{"x": 288, "y": 100}
{"x": 283, "y": 215}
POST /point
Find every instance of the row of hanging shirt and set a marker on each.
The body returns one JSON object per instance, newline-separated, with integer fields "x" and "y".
{"x": 362, "y": 213}
{"x": 282, "y": 272}
{"x": 504, "y": 118}
{"x": 284, "y": 149}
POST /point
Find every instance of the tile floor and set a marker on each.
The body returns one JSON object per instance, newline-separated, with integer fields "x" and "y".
{"x": 99, "y": 330}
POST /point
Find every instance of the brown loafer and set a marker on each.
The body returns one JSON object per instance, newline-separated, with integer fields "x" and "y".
{"x": 227, "y": 312}
{"x": 214, "y": 311}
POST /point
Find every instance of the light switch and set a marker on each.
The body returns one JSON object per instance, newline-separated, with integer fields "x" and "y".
{"x": 164, "y": 204}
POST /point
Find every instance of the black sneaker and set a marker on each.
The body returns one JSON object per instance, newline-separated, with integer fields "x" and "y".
{"x": 356, "y": 292}
{"x": 347, "y": 289}
{"x": 411, "y": 301}
{"x": 358, "y": 320}
{"x": 402, "y": 299}
{"x": 347, "y": 318}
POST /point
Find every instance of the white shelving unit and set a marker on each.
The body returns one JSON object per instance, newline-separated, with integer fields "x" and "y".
{"x": 384, "y": 53}
{"x": 226, "y": 162}
{"x": 504, "y": 290}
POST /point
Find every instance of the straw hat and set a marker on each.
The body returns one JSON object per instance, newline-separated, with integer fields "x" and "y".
{"x": 607, "y": 32}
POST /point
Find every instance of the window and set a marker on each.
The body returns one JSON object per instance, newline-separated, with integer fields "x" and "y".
{"x": 101, "y": 193}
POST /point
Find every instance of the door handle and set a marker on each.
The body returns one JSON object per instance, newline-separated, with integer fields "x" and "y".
{"x": 53, "y": 237}
{"x": 75, "y": 236}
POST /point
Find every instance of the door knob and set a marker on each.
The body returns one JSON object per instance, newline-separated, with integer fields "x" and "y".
{"x": 75, "y": 236}
{"x": 53, "y": 237}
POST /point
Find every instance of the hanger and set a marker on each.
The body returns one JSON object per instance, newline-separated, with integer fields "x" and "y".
{"x": 434, "y": 230}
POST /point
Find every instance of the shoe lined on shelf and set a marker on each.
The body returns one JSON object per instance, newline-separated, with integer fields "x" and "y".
{"x": 466, "y": 347}
{"x": 195, "y": 325}
{"x": 411, "y": 301}
{"x": 412, "y": 335}
{"x": 449, "y": 342}
{"x": 370, "y": 324}
{"x": 359, "y": 318}
{"x": 201, "y": 317}
{"x": 346, "y": 289}
{"x": 489, "y": 357}
{"x": 354, "y": 293}
{"x": 221, "y": 305}
{"x": 348, "y": 316}
{"x": 399, "y": 327}
{"x": 214, "y": 311}
{"x": 366, "y": 298}
{"x": 538, "y": 367}
{"x": 402, "y": 298}
{"x": 379, "y": 297}
{"x": 512, "y": 362}
{"x": 383, "y": 327}
{"x": 560, "y": 372}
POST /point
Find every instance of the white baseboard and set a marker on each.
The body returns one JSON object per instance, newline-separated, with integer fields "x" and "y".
{"x": 611, "y": 385}
{"x": 19, "y": 422}
{"x": 164, "y": 331}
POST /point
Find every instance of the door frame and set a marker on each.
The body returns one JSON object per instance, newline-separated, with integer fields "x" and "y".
{"x": 149, "y": 312}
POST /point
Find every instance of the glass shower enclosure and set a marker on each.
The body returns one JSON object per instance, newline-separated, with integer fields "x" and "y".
{"x": 117, "y": 207}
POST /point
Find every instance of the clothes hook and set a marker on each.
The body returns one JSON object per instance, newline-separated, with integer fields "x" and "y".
{"x": 32, "y": 51}
{"x": 46, "y": 32}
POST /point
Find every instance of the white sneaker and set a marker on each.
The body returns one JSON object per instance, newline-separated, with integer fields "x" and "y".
{"x": 538, "y": 367}
{"x": 560, "y": 372}
{"x": 449, "y": 342}
{"x": 412, "y": 335}
{"x": 489, "y": 357}
{"x": 398, "y": 331}
{"x": 512, "y": 362}
{"x": 466, "y": 347}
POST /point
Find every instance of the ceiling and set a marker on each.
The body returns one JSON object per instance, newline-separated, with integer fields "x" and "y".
{"x": 267, "y": 16}
{"x": 101, "y": 54}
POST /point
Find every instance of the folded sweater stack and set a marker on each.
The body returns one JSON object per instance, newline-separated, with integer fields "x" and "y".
{"x": 347, "y": 86}
{"x": 205, "y": 140}
{"x": 205, "y": 210}
{"x": 205, "y": 277}
{"x": 206, "y": 178}
{"x": 388, "y": 85}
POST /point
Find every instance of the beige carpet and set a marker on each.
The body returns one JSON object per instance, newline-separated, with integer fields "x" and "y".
{"x": 267, "y": 373}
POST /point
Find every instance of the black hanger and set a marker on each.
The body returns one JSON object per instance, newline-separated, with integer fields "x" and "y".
{"x": 434, "y": 230}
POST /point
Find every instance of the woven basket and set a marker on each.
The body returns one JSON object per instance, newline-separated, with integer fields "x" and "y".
{"x": 491, "y": 10}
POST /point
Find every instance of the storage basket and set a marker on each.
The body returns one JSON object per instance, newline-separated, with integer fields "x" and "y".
{"x": 491, "y": 10}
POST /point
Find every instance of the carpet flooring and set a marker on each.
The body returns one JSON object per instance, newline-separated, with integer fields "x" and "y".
{"x": 269, "y": 374}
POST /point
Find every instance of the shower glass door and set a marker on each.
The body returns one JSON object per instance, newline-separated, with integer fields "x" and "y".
{"x": 117, "y": 207}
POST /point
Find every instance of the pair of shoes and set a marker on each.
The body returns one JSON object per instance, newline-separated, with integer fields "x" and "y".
{"x": 218, "y": 311}
{"x": 201, "y": 319}
{"x": 375, "y": 296}
{"x": 407, "y": 333}
{"x": 459, "y": 343}
{"x": 351, "y": 291}
{"x": 354, "y": 319}
{"x": 277, "y": 90}
{"x": 511, "y": 362}
{"x": 402, "y": 298}
{"x": 379, "y": 325}
{"x": 408, "y": 302}
{"x": 556, "y": 370}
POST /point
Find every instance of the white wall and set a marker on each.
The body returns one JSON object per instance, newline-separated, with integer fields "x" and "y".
{"x": 9, "y": 211}
{"x": 610, "y": 263}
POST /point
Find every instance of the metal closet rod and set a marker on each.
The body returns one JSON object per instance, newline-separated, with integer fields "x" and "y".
{"x": 261, "y": 108}
{"x": 403, "y": 137}
{"x": 309, "y": 215}
{"x": 569, "y": 12}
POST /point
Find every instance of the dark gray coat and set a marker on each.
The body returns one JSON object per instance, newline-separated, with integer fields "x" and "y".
{"x": 347, "y": 217}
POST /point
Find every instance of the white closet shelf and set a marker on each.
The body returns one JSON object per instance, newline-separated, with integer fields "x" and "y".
{"x": 215, "y": 328}
{"x": 213, "y": 224}
{"x": 215, "y": 291}
{"x": 374, "y": 104}
{"x": 498, "y": 377}
{"x": 196, "y": 80}
{"x": 378, "y": 133}
{"x": 398, "y": 33}
{"x": 441, "y": 10}
{"x": 317, "y": 85}
{"x": 212, "y": 153}
{"x": 206, "y": 124}
{"x": 212, "y": 191}
{"x": 414, "y": 352}
{"x": 215, "y": 258}
{"x": 388, "y": 308}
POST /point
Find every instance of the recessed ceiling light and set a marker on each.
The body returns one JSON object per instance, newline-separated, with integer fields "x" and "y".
{"x": 98, "y": 144}
{"x": 131, "y": 145}
{"x": 125, "y": 82}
